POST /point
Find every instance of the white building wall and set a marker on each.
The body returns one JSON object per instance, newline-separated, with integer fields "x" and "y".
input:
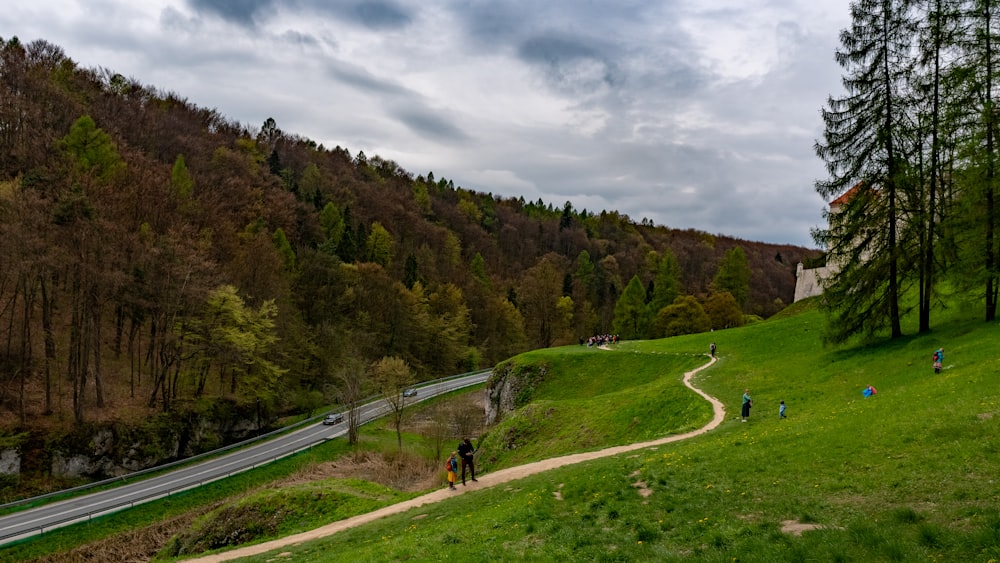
{"x": 809, "y": 283}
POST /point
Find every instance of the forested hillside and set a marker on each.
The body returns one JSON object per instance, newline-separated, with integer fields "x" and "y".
{"x": 156, "y": 254}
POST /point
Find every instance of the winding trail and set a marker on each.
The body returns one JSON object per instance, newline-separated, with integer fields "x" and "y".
{"x": 488, "y": 480}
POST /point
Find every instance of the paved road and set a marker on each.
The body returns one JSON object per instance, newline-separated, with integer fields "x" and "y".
{"x": 26, "y": 523}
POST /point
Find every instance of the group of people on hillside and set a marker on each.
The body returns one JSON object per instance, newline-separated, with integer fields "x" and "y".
{"x": 868, "y": 391}
{"x": 600, "y": 340}
{"x": 748, "y": 404}
{"x": 466, "y": 453}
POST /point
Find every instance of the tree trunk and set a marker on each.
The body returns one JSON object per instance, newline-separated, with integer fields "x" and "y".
{"x": 27, "y": 354}
{"x": 119, "y": 328}
{"x": 927, "y": 274}
{"x": 95, "y": 331}
{"x": 992, "y": 252}
{"x": 75, "y": 368}
{"x": 891, "y": 185}
{"x": 135, "y": 364}
{"x": 50, "y": 341}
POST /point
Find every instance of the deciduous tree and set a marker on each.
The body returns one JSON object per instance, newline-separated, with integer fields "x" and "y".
{"x": 391, "y": 376}
{"x": 379, "y": 245}
{"x": 332, "y": 222}
{"x": 684, "y": 316}
{"x": 723, "y": 310}
{"x": 733, "y": 276}
{"x": 538, "y": 297}
{"x": 630, "y": 311}
{"x": 351, "y": 376}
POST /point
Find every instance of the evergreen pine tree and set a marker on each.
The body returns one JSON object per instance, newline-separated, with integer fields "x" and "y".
{"x": 861, "y": 149}
{"x": 935, "y": 40}
{"x": 734, "y": 276}
{"x": 630, "y": 311}
{"x": 666, "y": 284}
{"x": 977, "y": 215}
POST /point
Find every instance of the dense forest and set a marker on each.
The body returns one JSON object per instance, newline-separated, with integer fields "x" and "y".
{"x": 156, "y": 254}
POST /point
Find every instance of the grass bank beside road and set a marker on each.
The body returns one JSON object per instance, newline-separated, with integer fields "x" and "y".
{"x": 909, "y": 474}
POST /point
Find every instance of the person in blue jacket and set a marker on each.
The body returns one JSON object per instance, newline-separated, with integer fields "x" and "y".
{"x": 451, "y": 465}
{"x": 747, "y": 403}
{"x": 938, "y": 359}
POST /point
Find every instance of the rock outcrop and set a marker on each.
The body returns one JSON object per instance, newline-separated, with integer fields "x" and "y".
{"x": 510, "y": 386}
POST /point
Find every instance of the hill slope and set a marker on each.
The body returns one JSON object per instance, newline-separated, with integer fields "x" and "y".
{"x": 905, "y": 475}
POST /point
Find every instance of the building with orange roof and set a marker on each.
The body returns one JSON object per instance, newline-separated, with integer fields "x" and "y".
{"x": 809, "y": 282}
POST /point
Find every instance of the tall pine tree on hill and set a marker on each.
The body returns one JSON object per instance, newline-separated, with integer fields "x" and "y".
{"x": 977, "y": 219}
{"x": 933, "y": 86}
{"x": 863, "y": 147}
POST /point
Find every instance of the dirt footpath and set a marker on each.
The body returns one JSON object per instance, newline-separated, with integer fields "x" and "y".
{"x": 488, "y": 480}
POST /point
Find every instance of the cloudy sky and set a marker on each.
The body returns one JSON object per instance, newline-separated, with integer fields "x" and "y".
{"x": 694, "y": 114}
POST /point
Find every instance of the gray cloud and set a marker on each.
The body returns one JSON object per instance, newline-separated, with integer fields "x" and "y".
{"x": 372, "y": 14}
{"x": 241, "y": 12}
{"x": 430, "y": 124}
{"x": 361, "y": 79}
{"x": 302, "y": 39}
{"x": 379, "y": 15}
{"x": 554, "y": 50}
{"x": 407, "y": 106}
{"x": 491, "y": 25}
{"x": 571, "y": 65}
{"x": 509, "y": 21}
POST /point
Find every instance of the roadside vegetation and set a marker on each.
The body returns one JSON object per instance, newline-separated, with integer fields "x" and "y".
{"x": 334, "y": 469}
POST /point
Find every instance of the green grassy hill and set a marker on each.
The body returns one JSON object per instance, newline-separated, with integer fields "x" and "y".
{"x": 593, "y": 399}
{"x": 909, "y": 474}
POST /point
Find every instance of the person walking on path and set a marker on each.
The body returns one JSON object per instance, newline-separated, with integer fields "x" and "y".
{"x": 466, "y": 451}
{"x": 938, "y": 360}
{"x": 452, "y": 466}
{"x": 747, "y": 403}
{"x": 711, "y": 348}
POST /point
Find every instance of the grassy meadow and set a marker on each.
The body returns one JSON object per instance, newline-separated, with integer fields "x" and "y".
{"x": 910, "y": 474}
